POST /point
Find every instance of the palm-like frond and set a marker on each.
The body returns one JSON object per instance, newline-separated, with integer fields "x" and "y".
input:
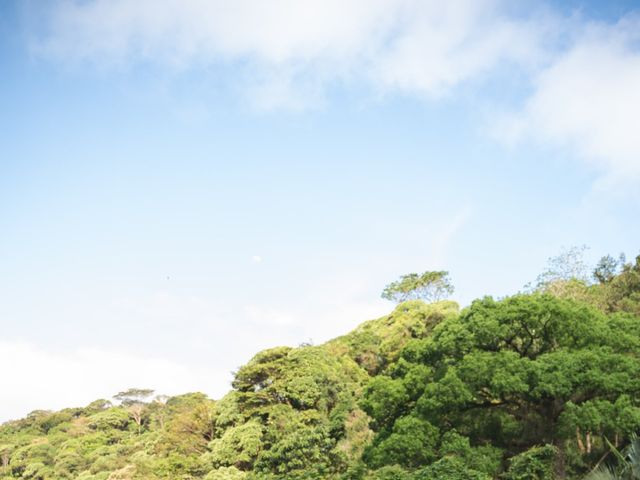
{"x": 633, "y": 457}
{"x": 603, "y": 473}
{"x": 628, "y": 467}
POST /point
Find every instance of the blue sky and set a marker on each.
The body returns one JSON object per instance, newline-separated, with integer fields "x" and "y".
{"x": 183, "y": 184}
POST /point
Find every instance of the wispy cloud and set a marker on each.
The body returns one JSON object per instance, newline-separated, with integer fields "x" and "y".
{"x": 583, "y": 75}
{"x": 417, "y": 46}
{"x": 587, "y": 100}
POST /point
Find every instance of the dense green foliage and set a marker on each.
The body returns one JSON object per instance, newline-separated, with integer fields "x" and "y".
{"x": 536, "y": 386}
{"x": 511, "y": 375}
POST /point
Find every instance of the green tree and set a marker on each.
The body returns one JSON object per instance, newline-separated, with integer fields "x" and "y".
{"x": 5, "y": 455}
{"x": 186, "y": 424}
{"x": 569, "y": 264}
{"x": 390, "y": 472}
{"x": 622, "y": 292}
{"x": 450, "y": 468}
{"x": 607, "y": 268}
{"x": 534, "y": 464}
{"x": 134, "y": 400}
{"x": 133, "y": 396}
{"x": 429, "y": 286}
{"x": 238, "y": 447}
{"x": 226, "y": 473}
{"x": 412, "y": 443}
{"x": 385, "y": 399}
{"x": 506, "y": 372}
{"x": 529, "y": 387}
{"x": 567, "y": 275}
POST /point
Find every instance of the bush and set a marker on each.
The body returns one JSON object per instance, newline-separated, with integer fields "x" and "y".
{"x": 450, "y": 468}
{"x": 534, "y": 464}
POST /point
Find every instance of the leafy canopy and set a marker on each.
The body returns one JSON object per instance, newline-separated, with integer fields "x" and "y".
{"x": 531, "y": 387}
{"x": 430, "y": 286}
{"x": 515, "y": 374}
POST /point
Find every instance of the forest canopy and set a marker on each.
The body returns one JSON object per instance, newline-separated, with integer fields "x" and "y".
{"x": 536, "y": 386}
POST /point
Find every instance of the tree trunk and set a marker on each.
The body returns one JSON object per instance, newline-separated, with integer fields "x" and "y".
{"x": 579, "y": 440}
{"x": 559, "y": 466}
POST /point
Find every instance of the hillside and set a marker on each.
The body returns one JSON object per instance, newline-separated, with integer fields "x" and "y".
{"x": 534, "y": 386}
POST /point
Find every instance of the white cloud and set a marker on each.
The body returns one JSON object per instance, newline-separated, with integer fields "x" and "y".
{"x": 294, "y": 49}
{"x": 37, "y": 378}
{"x": 588, "y": 100}
{"x": 438, "y": 45}
{"x": 287, "y": 53}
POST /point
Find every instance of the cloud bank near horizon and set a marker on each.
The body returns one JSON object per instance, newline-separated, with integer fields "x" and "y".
{"x": 49, "y": 379}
